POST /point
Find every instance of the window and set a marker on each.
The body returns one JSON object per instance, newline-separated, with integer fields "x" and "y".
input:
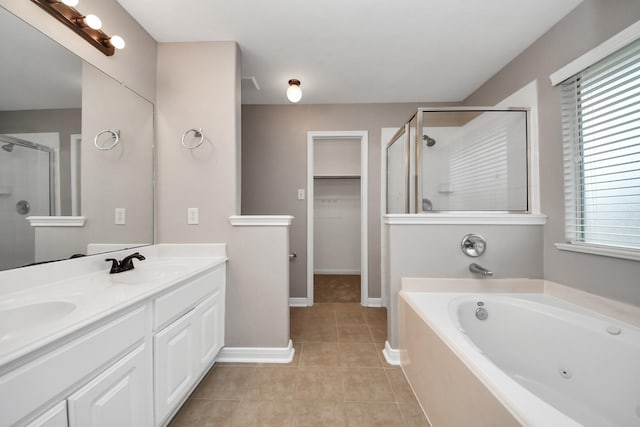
{"x": 601, "y": 132}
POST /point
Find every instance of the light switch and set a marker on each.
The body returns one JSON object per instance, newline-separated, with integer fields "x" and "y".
{"x": 193, "y": 216}
{"x": 300, "y": 193}
{"x": 120, "y": 216}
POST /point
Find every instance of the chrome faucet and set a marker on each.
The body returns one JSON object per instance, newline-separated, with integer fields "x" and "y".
{"x": 125, "y": 264}
{"x": 476, "y": 268}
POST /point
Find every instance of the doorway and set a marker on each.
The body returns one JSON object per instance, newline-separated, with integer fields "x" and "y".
{"x": 337, "y": 182}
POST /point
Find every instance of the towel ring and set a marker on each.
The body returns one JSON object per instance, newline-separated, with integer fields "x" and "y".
{"x": 115, "y": 134}
{"x": 197, "y": 133}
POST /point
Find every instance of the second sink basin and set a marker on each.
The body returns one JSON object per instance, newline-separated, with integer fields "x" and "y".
{"x": 16, "y": 319}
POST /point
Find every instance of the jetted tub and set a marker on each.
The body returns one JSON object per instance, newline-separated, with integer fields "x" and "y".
{"x": 535, "y": 360}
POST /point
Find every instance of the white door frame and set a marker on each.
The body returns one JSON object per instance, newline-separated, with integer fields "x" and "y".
{"x": 363, "y": 136}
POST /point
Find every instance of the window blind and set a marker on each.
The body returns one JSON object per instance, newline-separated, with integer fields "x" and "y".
{"x": 601, "y": 133}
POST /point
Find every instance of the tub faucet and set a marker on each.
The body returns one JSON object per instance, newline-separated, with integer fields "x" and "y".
{"x": 476, "y": 268}
{"x": 125, "y": 264}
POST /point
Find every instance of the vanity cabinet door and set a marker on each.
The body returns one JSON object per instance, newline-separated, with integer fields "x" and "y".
{"x": 175, "y": 364}
{"x": 210, "y": 322}
{"x": 54, "y": 417}
{"x": 116, "y": 397}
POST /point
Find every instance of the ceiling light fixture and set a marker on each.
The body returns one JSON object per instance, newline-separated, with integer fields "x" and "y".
{"x": 294, "y": 93}
{"x": 86, "y": 26}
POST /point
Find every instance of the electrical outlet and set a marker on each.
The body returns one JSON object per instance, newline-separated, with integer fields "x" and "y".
{"x": 300, "y": 193}
{"x": 192, "y": 216}
{"x": 120, "y": 216}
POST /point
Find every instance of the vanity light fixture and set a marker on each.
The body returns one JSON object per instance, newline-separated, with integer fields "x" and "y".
{"x": 117, "y": 42}
{"x": 294, "y": 93}
{"x": 91, "y": 21}
{"x": 86, "y": 26}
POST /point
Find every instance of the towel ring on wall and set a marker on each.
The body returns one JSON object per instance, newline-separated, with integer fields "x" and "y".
{"x": 115, "y": 134}
{"x": 197, "y": 133}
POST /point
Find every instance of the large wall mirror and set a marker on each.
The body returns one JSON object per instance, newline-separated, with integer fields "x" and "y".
{"x": 81, "y": 197}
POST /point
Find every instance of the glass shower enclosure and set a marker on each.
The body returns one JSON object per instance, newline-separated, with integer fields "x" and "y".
{"x": 26, "y": 189}
{"x": 459, "y": 159}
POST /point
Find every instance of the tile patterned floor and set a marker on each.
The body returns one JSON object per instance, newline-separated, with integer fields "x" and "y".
{"x": 338, "y": 378}
{"x": 336, "y": 288}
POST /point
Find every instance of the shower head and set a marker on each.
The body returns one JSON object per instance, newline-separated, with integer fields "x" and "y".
{"x": 430, "y": 141}
{"x": 8, "y": 147}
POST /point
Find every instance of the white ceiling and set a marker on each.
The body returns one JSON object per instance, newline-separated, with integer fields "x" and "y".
{"x": 348, "y": 51}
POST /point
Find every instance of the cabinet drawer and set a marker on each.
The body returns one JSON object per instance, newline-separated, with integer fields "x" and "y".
{"x": 30, "y": 386}
{"x": 177, "y": 302}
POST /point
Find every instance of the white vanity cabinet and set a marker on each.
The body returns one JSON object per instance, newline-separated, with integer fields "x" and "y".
{"x": 185, "y": 347}
{"x": 100, "y": 365}
{"x": 131, "y": 365}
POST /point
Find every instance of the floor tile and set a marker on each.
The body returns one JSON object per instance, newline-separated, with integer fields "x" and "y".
{"x": 354, "y": 333}
{"x": 374, "y": 313}
{"x": 359, "y": 355}
{"x": 350, "y": 318}
{"x": 401, "y": 388}
{"x": 378, "y": 333}
{"x": 413, "y": 415}
{"x": 225, "y": 382}
{"x": 206, "y": 413}
{"x": 320, "y": 354}
{"x": 318, "y": 331}
{"x": 263, "y": 414}
{"x": 342, "y": 288}
{"x": 366, "y": 385}
{"x": 319, "y": 414}
{"x": 338, "y": 377}
{"x": 315, "y": 383}
{"x": 272, "y": 383}
{"x": 373, "y": 415}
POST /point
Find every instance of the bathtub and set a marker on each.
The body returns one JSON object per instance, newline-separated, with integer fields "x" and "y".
{"x": 536, "y": 360}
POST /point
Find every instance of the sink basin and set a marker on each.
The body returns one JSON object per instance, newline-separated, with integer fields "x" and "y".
{"x": 16, "y": 319}
{"x": 145, "y": 272}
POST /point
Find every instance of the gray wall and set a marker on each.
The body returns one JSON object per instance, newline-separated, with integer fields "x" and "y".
{"x": 274, "y": 166}
{"x": 64, "y": 121}
{"x": 199, "y": 86}
{"x": 588, "y": 25}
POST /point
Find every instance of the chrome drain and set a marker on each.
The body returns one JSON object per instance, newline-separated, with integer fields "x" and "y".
{"x": 481, "y": 312}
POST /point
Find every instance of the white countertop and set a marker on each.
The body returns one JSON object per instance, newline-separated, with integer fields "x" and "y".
{"x": 94, "y": 292}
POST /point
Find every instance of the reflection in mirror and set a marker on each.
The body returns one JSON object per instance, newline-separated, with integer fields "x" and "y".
{"x": 52, "y": 106}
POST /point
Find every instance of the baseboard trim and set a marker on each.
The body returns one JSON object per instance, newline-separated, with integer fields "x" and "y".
{"x": 336, "y": 272}
{"x": 298, "y": 302}
{"x": 392, "y": 356}
{"x": 257, "y": 354}
{"x": 374, "y": 302}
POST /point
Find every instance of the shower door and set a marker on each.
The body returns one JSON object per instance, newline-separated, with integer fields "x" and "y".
{"x": 25, "y": 190}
